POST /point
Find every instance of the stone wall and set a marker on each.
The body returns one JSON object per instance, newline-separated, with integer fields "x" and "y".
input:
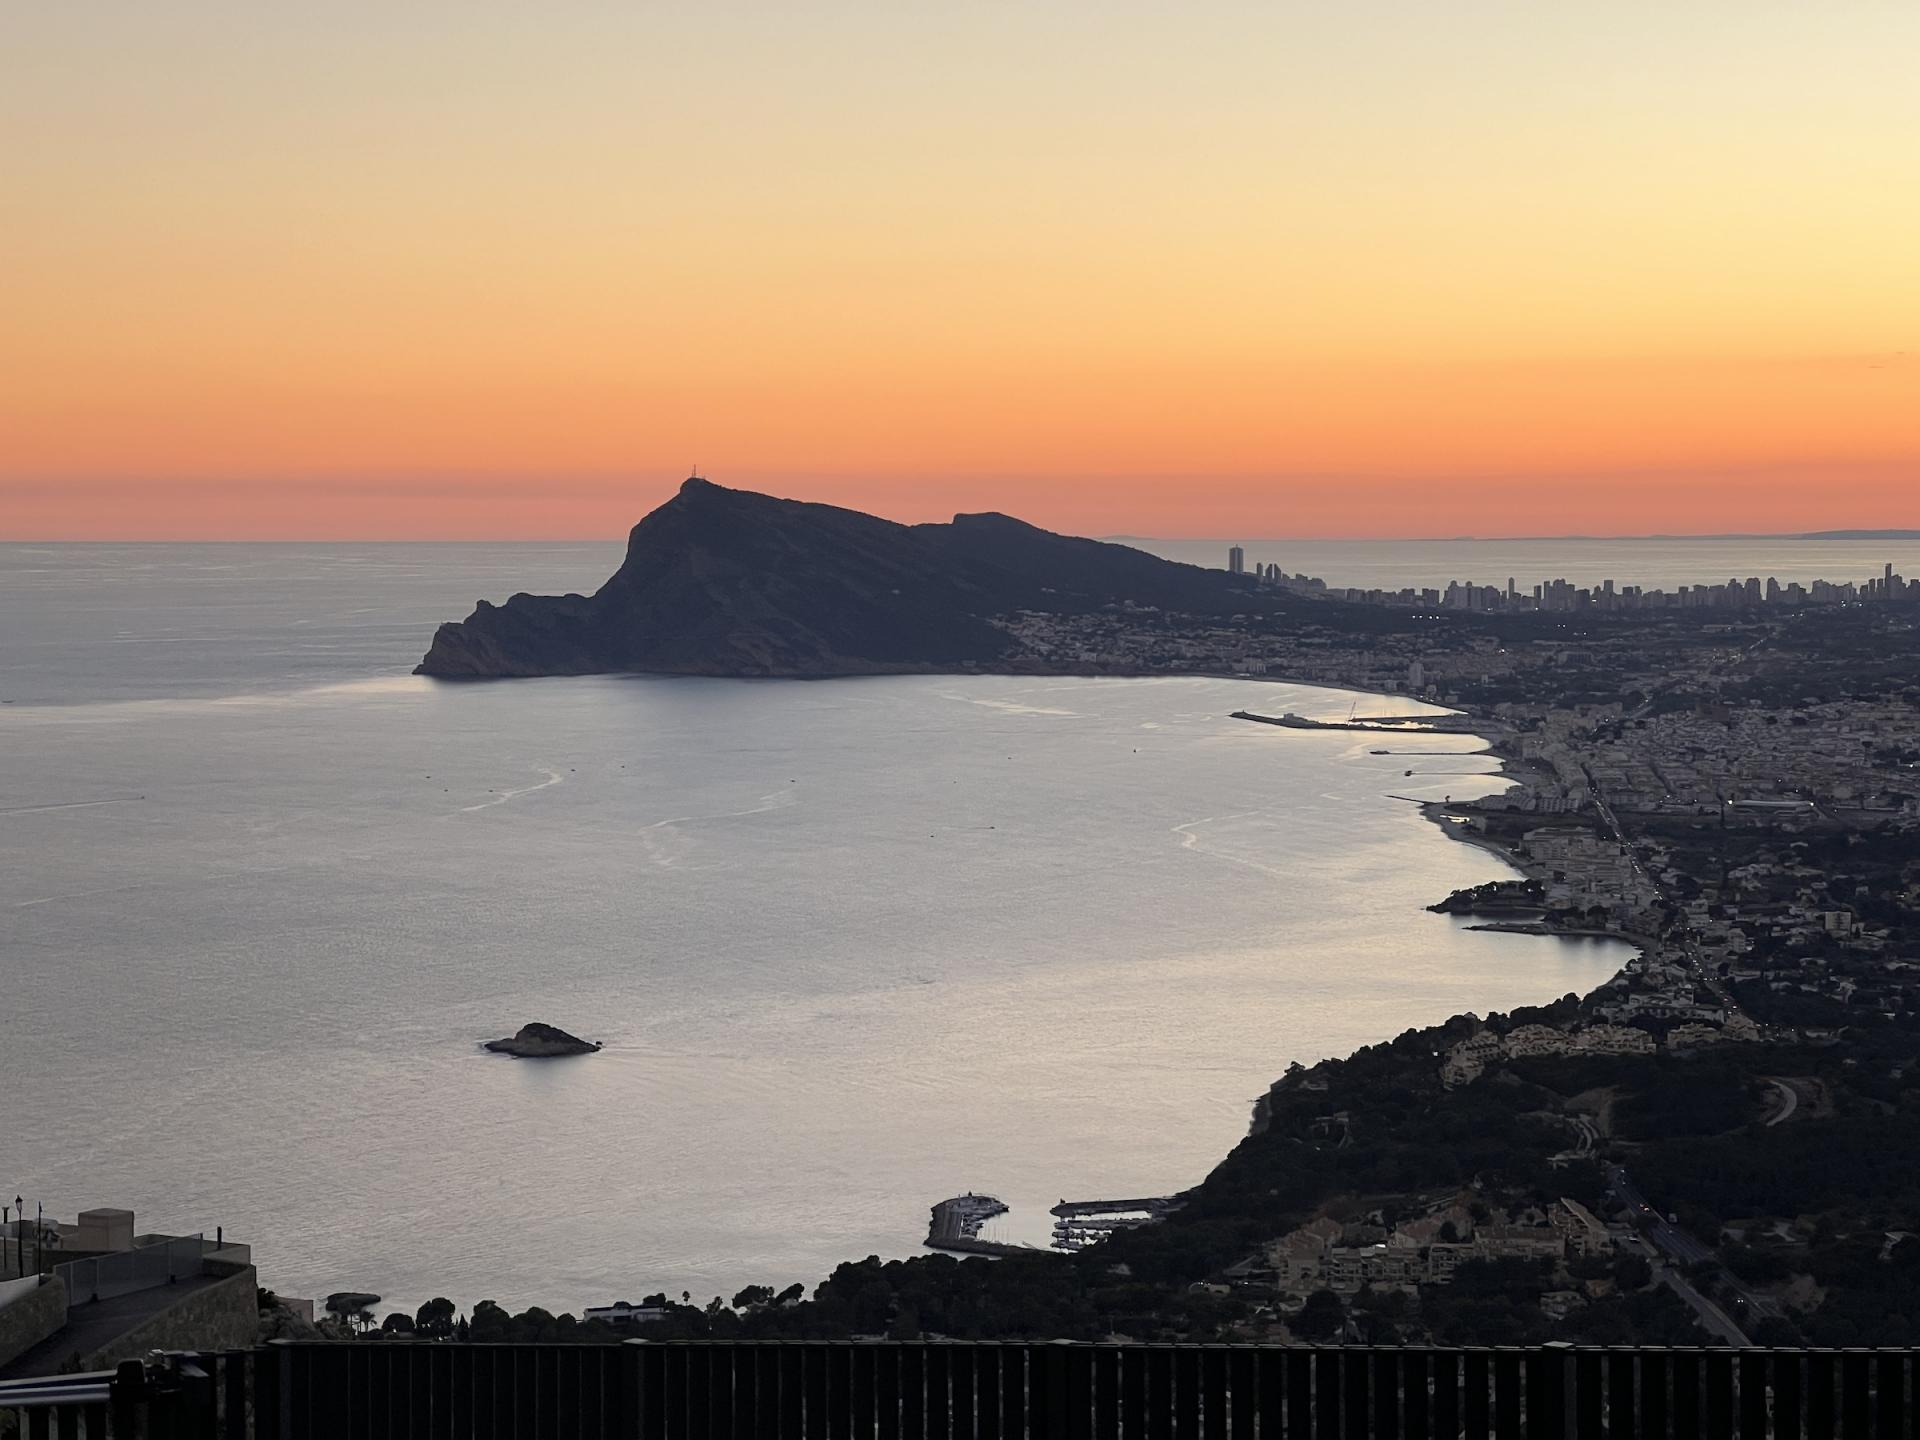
{"x": 29, "y": 1312}
{"x": 222, "y": 1316}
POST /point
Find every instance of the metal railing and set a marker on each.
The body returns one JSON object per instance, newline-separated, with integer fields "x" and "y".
{"x": 992, "y": 1391}
{"x": 126, "y": 1272}
{"x": 166, "y": 1397}
{"x": 987, "y": 1391}
{"x": 67, "y": 1405}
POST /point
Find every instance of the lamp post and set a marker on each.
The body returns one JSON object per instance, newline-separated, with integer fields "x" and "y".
{"x": 5, "y": 1212}
{"x": 20, "y": 1234}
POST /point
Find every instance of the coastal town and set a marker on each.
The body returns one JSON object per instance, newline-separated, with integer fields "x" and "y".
{"x": 1723, "y": 776}
{"x": 1742, "y": 808}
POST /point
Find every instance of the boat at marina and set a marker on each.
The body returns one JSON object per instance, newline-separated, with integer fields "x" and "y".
{"x": 956, "y": 1226}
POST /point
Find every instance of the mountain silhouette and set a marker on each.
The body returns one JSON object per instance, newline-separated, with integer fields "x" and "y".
{"x": 730, "y": 582}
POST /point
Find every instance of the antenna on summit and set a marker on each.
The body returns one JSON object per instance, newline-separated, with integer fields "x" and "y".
{"x": 694, "y": 473}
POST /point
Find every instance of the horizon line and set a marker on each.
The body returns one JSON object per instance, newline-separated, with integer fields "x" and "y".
{"x": 1852, "y": 533}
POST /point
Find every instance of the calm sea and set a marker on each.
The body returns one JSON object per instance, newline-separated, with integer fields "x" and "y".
{"x": 853, "y": 946}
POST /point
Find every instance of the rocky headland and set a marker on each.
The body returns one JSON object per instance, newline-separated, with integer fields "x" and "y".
{"x": 729, "y": 582}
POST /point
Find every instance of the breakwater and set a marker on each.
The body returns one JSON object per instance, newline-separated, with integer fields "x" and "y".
{"x": 1373, "y": 724}
{"x": 1155, "y": 1205}
{"x": 956, "y": 1223}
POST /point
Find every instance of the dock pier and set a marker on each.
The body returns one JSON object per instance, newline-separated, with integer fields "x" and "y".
{"x": 1154, "y": 1205}
{"x": 956, "y": 1223}
{"x": 1376, "y": 724}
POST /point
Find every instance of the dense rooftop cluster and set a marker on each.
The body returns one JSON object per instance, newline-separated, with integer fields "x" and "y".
{"x": 1563, "y": 598}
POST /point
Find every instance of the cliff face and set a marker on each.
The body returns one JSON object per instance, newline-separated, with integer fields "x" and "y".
{"x": 727, "y": 582}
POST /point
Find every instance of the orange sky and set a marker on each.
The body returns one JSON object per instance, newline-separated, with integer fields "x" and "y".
{"x": 1386, "y": 268}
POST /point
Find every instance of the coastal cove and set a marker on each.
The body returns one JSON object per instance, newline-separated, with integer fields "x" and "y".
{"x": 1040, "y": 938}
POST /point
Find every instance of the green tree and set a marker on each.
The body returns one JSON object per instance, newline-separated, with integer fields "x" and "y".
{"x": 489, "y": 1323}
{"x": 1321, "y": 1318}
{"x": 1589, "y": 1267}
{"x": 532, "y": 1323}
{"x": 1631, "y": 1272}
{"x": 435, "y": 1318}
{"x": 905, "y": 1325}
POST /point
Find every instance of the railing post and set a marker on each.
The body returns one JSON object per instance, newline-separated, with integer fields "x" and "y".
{"x": 1753, "y": 1369}
{"x": 1855, "y": 1383}
{"x": 193, "y": 1393}
{"x": 1550, "y": 1393}
{"x": 272, "y": 1409}
{"x": 1186, "y": 1390}
{"x": 626, "y": 1391}
{"x": 129, "y": 1389}
{"x": 285, "y": 1371}
{"x": 1891, "y": 1391}
{"x": 164, "y": 1405}
{"x": 1049, "y": 1394}
{"x": 936, "y": 1363}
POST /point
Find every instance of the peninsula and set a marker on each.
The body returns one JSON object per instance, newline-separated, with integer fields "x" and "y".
{"x": 728, "y": 582}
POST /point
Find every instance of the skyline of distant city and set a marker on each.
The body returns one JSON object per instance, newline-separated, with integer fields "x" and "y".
{"x": 1562, "y": 596}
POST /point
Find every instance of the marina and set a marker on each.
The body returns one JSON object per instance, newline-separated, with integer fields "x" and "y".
{"x": 956, "y": 1223}
{"x": 1073, "y": 1235}
{"x": 1080, "y": 1223}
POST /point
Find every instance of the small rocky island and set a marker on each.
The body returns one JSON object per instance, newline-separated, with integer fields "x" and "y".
{"x": 542, "y": 1042}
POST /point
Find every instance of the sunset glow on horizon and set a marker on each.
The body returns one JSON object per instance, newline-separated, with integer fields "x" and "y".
{"x": 474, "y": 270}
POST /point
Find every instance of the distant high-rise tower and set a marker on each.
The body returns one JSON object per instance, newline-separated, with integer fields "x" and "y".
{"x": 1236, "y": 561}
{"x": 1416, "y": 677}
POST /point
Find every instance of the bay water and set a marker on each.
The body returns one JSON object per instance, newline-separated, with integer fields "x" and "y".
{"x": 852, "y": 946}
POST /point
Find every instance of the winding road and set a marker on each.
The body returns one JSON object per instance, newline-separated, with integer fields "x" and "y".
{"x": 1789, "y": 1101}
{"x": 1679, "y": 1248}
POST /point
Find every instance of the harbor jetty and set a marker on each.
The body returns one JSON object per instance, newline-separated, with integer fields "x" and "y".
{"x": 956, "y": 1227}
{"x": 1155, "y": 1206}
{"x": 1376, "y": 724}
{"x": 1080, "y": 1223}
